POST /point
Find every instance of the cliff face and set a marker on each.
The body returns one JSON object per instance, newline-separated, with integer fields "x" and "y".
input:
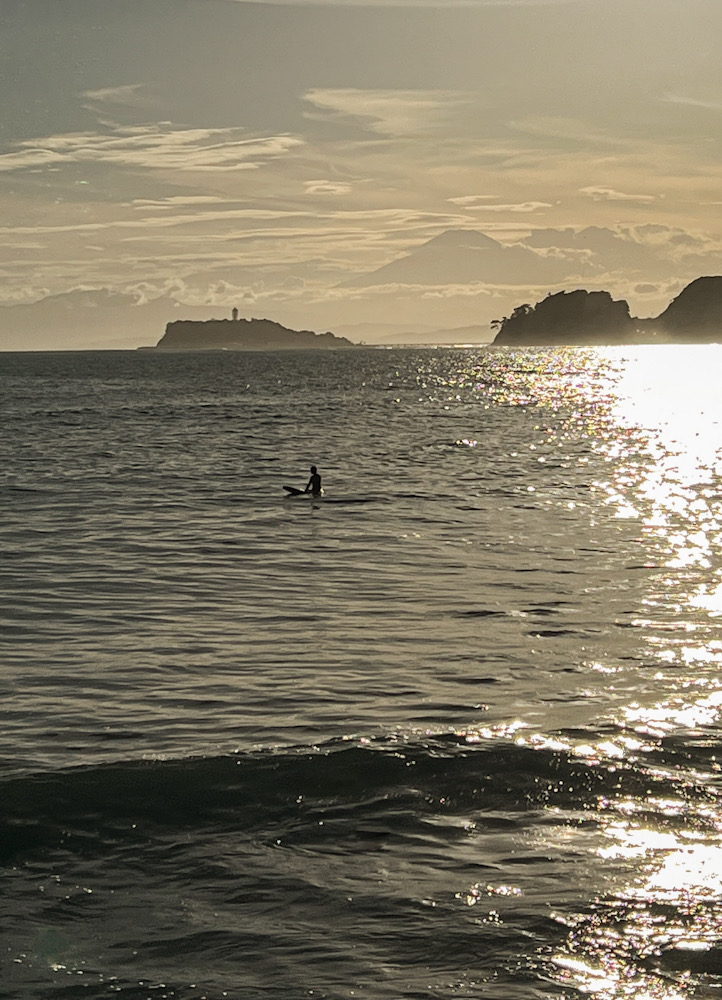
{"x": 578, "y": 317}
{"x": 243, "y": 335}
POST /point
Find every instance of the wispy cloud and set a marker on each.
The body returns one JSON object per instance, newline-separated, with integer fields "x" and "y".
{"x": 388, "y": 112}
{"x": 268, "y": 224}
{"x": 153, "y": 147}
{"x": 609, "y": 194}
{"x": 177, "y": 201}
{"x": 470, "y": 200}
{"x": 126, "y": 95}
{"x": 707, "y": 104}
{"x": 326, "y": 187}
{"x": 485, "y": 203}
{"x": 572, "y": 132}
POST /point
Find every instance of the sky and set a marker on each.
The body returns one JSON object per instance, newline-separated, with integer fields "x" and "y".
{"x": 271, "y": 155}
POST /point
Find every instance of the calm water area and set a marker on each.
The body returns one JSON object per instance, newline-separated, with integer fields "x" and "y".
{"x": 451, "y": 730}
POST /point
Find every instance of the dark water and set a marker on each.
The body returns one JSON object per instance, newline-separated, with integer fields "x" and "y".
{"x": 451, "y": 731}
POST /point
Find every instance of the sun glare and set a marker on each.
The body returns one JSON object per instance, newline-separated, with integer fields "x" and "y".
{"x": 654, "y": 935}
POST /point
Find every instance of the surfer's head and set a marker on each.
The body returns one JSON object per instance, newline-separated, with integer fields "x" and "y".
{"x": 313, "y": 470}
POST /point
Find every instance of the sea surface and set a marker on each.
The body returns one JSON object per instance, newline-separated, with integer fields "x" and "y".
{"x": 450, "y": 731}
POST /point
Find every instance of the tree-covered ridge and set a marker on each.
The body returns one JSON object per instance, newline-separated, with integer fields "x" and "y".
{"x": 568, "y": 318}
{"x": 582, "y": 317}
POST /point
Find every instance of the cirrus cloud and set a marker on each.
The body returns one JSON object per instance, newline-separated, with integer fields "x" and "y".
{"x": 609, "y": 194}
{"x": 481, "y": 203}
{"x": 326, "y": 187}
{"x": 387, "y": 112}
{"x": 153, "y": 147}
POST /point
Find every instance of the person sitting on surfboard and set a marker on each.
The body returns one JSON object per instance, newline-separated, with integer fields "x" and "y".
{"x": 314, "y": 483}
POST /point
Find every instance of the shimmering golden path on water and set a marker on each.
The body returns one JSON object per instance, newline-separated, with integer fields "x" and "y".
{"x": 657, "y": 415}
{"x": 656, "y": 936}
{"x": 667, "y": 922}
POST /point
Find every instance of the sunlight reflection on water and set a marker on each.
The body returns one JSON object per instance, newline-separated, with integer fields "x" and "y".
{"x": 657, "y": 936}
{"x": 656, "y": 414}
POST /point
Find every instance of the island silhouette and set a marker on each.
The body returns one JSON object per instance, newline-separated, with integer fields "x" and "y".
{"x": 243, "y": 335}
{"x": 574, "y": 318}
{"x": 581, "y": 317}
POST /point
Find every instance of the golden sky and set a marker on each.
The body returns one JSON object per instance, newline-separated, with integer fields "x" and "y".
{"x": 266, "y": 154}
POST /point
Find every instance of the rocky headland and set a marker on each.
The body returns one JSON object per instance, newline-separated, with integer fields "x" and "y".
{"x": 243, "y": 335}
{"x": 582, "y": 318}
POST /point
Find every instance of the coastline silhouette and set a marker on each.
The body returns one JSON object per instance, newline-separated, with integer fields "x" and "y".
{"x": 581, "y": 317}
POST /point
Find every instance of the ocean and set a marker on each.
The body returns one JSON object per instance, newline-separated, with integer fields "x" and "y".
{"x": 450, "y": 731}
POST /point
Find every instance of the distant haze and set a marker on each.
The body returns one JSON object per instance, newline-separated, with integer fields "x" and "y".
{"x": 396, "y": 170}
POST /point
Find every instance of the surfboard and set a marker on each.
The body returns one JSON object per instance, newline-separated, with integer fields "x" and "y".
{"x": 294, "y": 492}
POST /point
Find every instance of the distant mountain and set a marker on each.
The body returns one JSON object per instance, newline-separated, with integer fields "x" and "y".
{"x": 83, "y": 298}
{"x": 87, "y": 318}
{"x": 243, "y": 335}
{"x": 100, "y": 319}
{"x": 462, "y": 257}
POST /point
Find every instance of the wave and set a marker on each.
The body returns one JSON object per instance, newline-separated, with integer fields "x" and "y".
{"x": 284, "y": 794}
{"x": 389, "y": 863}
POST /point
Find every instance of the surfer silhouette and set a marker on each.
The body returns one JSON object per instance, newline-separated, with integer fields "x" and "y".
{"x": 314, "y": 483}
